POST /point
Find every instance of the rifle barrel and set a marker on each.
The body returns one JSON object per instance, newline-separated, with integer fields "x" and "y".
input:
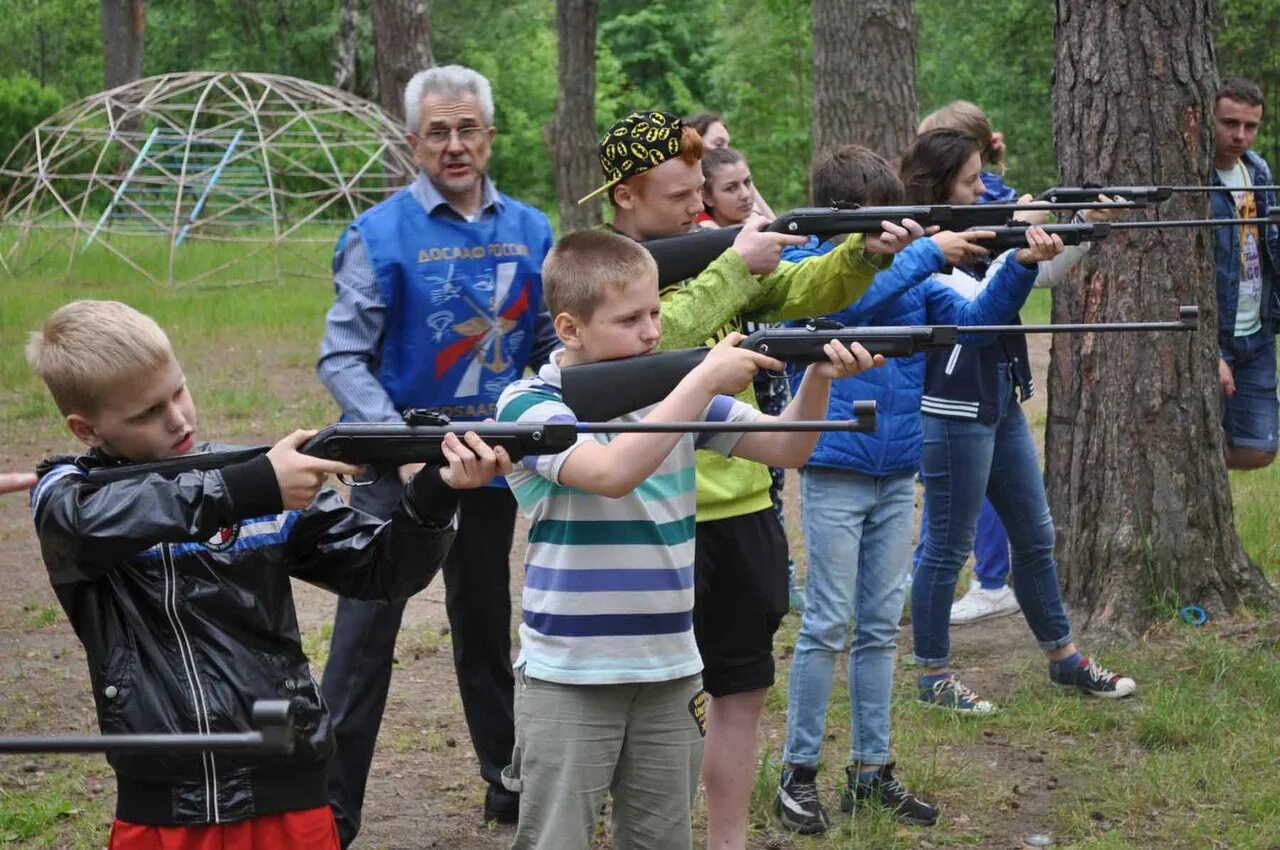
{"x": 1220, "y": 188}
{"x": 861, "y": 409}
{"x": 273, "y": 733}
{"x": 1191, "y": 222}
{"x": 1188, "y": 322}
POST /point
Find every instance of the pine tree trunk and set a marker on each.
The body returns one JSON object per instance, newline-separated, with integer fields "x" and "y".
{"x": 402, "y": 48}
{"x": 1135, "y": 472}
{"x": 123, "y": 27}
{"x": 344, "y": 45}
{"x": 864, "y": 75}
{"x": 573, "y": 130}
{"x": 123, "y": 30}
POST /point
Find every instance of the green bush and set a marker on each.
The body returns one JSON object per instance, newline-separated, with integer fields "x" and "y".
{"x": 24, "y": 103}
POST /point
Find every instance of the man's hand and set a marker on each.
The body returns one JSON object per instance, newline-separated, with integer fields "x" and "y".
{"x": 1041, "y": 246}
{"x": 1092, "y": 216}
{"x": 892, "y": 237}
{"x": 962, "y": 247}
{"x": 843, "y": 362}
{"x": 301, "y": 476}
{"x": 1033, "y": 216}
{"x": 1226, "y": 380}
{"x": 16, "y": 482}
{"x": 729, "y": 369}
{"x": 471, "y": 462}
{"x": 760, "y": 249}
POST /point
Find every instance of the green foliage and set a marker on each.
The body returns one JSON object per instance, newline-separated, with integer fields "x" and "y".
{"x": 660, "y": 50}
{"x": 24, "y": 103}
{"x": 1247, "y": 38}
{"x": 761, "y": 86}
{"x": 998, "y": 54}
{"x": 58, "y": 42}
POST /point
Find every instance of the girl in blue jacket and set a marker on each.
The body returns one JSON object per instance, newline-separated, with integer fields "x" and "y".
{"x": 977, "y": 441}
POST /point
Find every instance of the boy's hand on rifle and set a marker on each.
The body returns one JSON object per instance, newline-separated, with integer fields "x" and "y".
{"x": 843, "y": 362}
{"x": 962, "y": 247}
{"x": 1041, "y": 246}
{"x": 893, "y": 237}
{"x": 15, "y": 482}
{"x": 760, "y": 249}
{"x": 729, "y": 369}
{"x": 1033, "y": 216}
{"x": 1093, "y": 216}
{"x": 471, "y": 462}
{"x": 301, "y": 476}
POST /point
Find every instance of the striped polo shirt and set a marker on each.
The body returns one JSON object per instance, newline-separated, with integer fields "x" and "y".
{"x": 608, "y": 585}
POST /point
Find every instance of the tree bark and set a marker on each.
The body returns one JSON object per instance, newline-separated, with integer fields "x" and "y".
{"x": 344, "y": 45}
{"x": 123, "y": 26}
{"x": 864, "y": 75}
{"x": 1135, "y": 471}
{"x": 573, "y": 130}
{"x": 401, "y": 48}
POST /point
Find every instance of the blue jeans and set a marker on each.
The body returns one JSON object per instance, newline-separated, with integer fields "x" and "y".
{"x": 1250, "y": 417}
{"x": 990, "y": 549}
{"x": 960, "y": 463}
{"x": 857, "y": 530}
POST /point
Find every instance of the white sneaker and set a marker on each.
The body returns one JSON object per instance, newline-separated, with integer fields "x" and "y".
{"x": 979, "y": 604}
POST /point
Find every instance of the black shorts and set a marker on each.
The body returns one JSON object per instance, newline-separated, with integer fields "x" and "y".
{"x": 740, "y": 580}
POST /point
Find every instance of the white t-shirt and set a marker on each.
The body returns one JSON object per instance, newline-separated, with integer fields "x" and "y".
{"x": 1249, "y": 298}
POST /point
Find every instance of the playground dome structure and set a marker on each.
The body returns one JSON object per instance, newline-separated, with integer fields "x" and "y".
{"x": 200, "y": 176}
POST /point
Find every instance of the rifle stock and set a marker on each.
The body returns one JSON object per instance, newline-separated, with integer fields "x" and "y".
{"x": 611, "y": 388}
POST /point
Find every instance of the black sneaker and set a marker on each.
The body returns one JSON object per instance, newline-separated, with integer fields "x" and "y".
{"x": 883, "y": 789}
{"x": 797, "y": 802}
{"x": 1092, "y": 679}
{"x": 501, "y": 805}
{"x": 947, "y": 693}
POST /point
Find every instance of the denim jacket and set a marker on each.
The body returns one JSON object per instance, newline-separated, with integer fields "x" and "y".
{"x": 1226, "y": 252}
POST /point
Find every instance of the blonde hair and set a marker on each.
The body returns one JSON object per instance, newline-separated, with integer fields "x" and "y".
{"x": 86, "y": 346}
{"x": 965, "y": 116}
{"x": 583, "y": 266}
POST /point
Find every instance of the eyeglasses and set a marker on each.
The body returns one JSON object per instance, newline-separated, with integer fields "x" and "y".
{"x": 439, "y": 138}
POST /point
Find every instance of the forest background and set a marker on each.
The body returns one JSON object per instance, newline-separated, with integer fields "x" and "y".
{"x": 750, "y": 61}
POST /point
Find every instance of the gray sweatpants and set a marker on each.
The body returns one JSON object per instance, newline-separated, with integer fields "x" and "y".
{"x": 641, "y": 743}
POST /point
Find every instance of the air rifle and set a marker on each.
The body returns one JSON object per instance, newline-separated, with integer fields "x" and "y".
{"x": 685, "y": 256}
{"x": 418, "y": 440}
{"x": 1138, "y": 194}
{"x": 273, "y": 733}
{"x": 610, "y": 388}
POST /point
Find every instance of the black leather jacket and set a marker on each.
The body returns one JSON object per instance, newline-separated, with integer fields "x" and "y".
{"x": 179, "y": 590}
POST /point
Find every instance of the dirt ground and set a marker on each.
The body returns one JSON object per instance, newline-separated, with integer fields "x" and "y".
{"x": 425, "y": 790}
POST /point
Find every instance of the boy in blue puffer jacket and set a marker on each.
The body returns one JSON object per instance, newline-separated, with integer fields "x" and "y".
{"x": 857, "y": 501}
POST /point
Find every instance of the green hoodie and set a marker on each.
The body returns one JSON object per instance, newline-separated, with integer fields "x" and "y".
{"x": 705, "y": 309}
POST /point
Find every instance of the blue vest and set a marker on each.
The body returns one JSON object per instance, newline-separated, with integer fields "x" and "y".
{"x": 461, "y": 301}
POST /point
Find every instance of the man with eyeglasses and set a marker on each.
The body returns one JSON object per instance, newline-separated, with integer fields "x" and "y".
{"x": 438, "y": 304}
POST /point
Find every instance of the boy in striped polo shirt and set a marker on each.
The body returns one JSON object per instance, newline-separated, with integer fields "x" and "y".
{"x": 608, "y": 687}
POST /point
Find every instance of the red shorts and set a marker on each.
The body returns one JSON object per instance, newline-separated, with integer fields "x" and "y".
{"x": 308, "y": 828}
